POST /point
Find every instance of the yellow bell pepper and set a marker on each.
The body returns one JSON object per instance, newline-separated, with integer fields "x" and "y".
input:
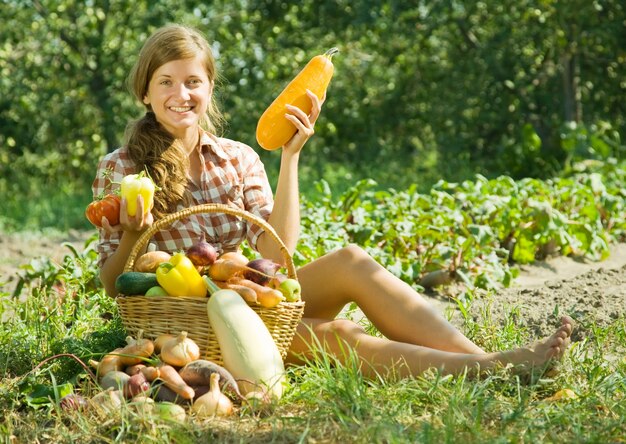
{"x": 133, "y": 185}
{"x": 179, "y": 277}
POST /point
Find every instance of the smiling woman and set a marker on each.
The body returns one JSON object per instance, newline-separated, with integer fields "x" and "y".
{"x": 175, "y": 142}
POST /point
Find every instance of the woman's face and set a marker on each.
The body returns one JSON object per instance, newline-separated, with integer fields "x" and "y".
{"x": 179, "y": 93}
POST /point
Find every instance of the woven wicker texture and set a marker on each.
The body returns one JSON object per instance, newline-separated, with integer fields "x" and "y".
{"x": 154, "y": 316}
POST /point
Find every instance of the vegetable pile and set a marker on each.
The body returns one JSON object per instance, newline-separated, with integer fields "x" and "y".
{"x": 168, "y": 378}
{"x": 191, "y": 273}
{"x": 232, "y": 284}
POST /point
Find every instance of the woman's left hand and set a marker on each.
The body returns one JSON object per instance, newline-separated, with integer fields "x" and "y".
{"x": 303, "y": 123}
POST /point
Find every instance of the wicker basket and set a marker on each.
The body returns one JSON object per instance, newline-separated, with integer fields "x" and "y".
{"x": 154, "y": 316}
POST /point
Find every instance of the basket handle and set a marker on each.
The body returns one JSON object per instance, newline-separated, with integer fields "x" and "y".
{"x": 209, "y": 208}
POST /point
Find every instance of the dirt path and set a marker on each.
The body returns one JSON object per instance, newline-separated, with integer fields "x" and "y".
{"x": 591, "y": 292}
{"x": 18, "y": 249}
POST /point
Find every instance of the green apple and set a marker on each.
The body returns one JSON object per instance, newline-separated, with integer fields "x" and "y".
{"x": 157, "y": 290}
{"x": 276, "y": 280}
{"x": 290, "y": 288}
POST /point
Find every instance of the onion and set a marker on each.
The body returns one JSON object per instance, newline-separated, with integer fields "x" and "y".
{"x": 180, "y": 350}
{"x": 214, "y": 402}
{"x": 106, "y": 402}
{"x": 236, "y": 257}
{"x": 261, "y": 271}
{"x": 73, "y": 401}
{"x": 202, "y": 253}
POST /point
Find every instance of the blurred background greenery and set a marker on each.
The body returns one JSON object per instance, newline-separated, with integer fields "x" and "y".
{"x": 423, "y": 90}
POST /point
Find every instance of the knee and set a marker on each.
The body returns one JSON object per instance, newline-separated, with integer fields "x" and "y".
{"x": 351, "y": 253}
{"x": 343, "y": 329}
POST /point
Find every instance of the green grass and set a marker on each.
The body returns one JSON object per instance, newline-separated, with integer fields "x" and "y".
{"x": 54, "y": 309}
{"x": 62, "y": 310}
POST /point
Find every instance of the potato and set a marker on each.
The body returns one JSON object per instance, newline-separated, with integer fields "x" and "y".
{"x": 148, "y": 262}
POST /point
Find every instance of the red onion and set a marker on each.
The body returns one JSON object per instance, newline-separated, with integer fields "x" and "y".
{"x": 261, "y": 270}
{"x": 202, "y": 253}
{"x": 73, "y": 401}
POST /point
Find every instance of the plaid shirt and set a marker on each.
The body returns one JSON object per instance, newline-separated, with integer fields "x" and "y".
{"x": 233, "y": 175}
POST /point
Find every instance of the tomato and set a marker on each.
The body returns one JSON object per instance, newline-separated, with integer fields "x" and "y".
{"x": 108, "y": 206}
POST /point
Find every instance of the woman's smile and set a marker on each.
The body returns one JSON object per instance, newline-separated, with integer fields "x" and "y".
{"x": 179, "y": 93}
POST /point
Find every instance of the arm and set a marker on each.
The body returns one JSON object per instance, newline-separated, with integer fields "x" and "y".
{"x": 285, "y": 217}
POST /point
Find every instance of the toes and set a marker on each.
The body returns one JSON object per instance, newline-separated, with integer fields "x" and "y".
{"x": 567, "y": 324}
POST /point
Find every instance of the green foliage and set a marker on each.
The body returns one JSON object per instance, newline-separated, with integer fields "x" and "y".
{"x": 422, "y": 90}
{"x": 473, "y": 230}
{"x": 56, "y": 309}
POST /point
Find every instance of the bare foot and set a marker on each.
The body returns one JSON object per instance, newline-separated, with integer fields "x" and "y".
{"x": 543, "y": 352}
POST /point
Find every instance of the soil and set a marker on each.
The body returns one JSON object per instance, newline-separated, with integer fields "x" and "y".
{"x": 590, "y": 292}
{"x": 18, "y": 249}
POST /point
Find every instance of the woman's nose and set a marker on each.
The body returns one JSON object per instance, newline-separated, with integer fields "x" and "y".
{"x": 183, "y": 91}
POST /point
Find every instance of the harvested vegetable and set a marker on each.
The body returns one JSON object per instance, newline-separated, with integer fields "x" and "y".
{"x": 173, "y": 381}
{"x": 150, "y": 261}
{"x": 261, "y": 270}
{"x": 134, "y": 185}
{"x": 236, "y": 257}
{"x": 170, "y": 412}
{"x": 247, "y": 293}
{"x": 179, "y": 277}
{"x": 180, "y": 350}
{"x": 114, "y": 380}
{"x": 214, "y": 402}
{"x": 248, "y": 349}
{"x": 142, "y": 404}
{"x": 266, "y": 296}
{"x": 224, "y": 269}
{"x": 162, "y": 393}
{"x": 151, "y": 373}
{"x": 136, "y": 350}
{"x": 202, "y": 253}
{"x": 198, "y": 373}
{"x": 135, "y": 282}
{"x": 73, "y": 401}
{"x": 136, "y": 385}
{"x": 108, "y": 206}
{"x": 110, "y": 362}
{"x": 273, "y": 129}
{"x": 106, "y": 402}
{"x": 160, "y": 340}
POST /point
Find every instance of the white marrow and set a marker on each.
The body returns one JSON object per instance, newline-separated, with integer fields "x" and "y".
{"x": 247, "y": 347}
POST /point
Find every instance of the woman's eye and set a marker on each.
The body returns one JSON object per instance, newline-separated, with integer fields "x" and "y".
{"x": 195, "y": 81}
{"x": 166, "y": 82}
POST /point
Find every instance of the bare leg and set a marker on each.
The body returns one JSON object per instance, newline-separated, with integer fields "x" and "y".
{"x": 398, "y": 312}
{"x": 379, "y": 355}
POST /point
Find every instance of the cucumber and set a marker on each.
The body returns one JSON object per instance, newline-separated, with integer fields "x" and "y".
{"x": 135, "y": 282}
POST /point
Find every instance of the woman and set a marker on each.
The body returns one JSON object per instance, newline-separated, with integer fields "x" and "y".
{"x": 175, "y": 143}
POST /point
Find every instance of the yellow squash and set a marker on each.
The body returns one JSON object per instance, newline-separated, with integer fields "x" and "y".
{"x": 273, "y": 129}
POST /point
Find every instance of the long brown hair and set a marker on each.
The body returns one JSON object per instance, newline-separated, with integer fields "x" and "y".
{"x": 150, "y": 146}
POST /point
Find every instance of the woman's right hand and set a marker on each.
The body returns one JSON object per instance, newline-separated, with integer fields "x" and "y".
{"x": 139, "y": 222}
